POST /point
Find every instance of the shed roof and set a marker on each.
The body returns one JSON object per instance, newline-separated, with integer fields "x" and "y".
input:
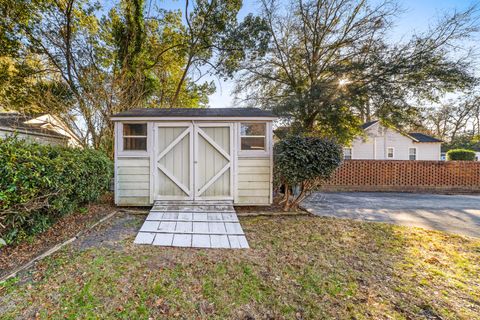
{"x": 196, "y": 113}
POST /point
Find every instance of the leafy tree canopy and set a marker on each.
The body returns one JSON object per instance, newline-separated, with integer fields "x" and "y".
{"x": 73, "y": 59}
{"x": 328, "y": 65}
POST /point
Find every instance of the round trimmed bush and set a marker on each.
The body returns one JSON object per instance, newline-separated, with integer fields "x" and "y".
{"x": 461, "y": 155}
{"x": 303, "y": 162}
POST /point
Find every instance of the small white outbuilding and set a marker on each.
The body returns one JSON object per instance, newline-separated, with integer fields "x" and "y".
{"x": 193, "y": 154}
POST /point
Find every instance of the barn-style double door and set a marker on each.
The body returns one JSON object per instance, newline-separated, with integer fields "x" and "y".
{"x": 193, "y": 161}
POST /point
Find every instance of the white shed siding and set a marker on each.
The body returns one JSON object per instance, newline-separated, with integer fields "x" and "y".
{"x": 253, "y": 181}
{"x": 378, "y": 139}
{"x": 133, "y": 181}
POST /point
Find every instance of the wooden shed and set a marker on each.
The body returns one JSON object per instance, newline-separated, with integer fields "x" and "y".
{"x": 193, "y": 154}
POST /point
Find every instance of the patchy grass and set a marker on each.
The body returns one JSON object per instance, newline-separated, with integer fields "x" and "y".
{"x": 298, "y": 268}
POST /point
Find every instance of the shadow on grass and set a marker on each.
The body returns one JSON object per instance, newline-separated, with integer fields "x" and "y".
{"x": 298, "y": 267}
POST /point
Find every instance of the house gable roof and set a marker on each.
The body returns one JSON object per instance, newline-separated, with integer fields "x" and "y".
{"x": 196, "y": 113}
{"x": 10, "y": 121}
{"x": 415, "y": 136}
{"x": 420, "y": 137}
{"x": 367, "y": 125}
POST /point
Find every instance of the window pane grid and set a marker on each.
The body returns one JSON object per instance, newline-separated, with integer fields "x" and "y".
{"x": 390, "y": 153}
{"x": 135, "y": 136}
{"x": 253, "y": 129}
{"x": 253, "y": 136}
{"x": 134, "y": 129}
{"x": 412, "y": 153}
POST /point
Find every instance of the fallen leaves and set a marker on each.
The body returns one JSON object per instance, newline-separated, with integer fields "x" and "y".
{"x": 297, "y": 268}
{"x": 68, "y": 226}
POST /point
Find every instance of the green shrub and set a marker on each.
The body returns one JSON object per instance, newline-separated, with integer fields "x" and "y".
{"x": 304, "y": 162}
{"x": 461, "y": 155}
{"x": 41, "y": 183}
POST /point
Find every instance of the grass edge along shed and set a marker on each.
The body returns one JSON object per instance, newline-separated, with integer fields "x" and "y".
{"x": 193, "y": 154}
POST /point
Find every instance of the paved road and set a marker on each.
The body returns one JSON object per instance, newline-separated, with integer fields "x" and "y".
{"x": 452, "y": 213}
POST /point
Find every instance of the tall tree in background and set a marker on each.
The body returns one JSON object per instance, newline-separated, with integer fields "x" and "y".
{"x": 22, "y": 70}
{"x": 215, "y": 41}
{"x": 328, "y": 66}
{"x": 68, "y": 61}
{"x": 456, "y": 118}
{"x": 129, "y": 42}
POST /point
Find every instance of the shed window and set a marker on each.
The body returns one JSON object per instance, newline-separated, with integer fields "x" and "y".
{"x": 390, "y": 153}
{"x": 252, "y": 136}
{"x": 347, "y": 153}
{"x": 135, "y": 136}
{"x": 412, "y": 153}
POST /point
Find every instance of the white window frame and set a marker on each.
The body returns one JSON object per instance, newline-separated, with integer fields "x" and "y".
{"x": 351, "y": 153}
{"x": 254, "y": 153}
{"x": 121, "y": 151}
{"x": 416, "y": 153}
{"x": 393, "y": 153}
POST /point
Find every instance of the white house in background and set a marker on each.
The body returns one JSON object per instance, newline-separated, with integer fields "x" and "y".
{"x": 384, "y": 143}
{"x": 54, "y": 124}
{"x": 44, "y": 129}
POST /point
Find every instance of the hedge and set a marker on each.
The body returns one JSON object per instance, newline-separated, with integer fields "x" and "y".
{"x": 461, "y": 154}
{"x": 41, "y": 183}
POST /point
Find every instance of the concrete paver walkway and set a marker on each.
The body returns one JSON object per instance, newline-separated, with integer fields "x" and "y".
{"x": 200, "y": 224}
{"x": 452, "y": 213}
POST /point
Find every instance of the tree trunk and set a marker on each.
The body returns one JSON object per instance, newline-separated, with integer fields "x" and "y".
{"x": 180, "y": 83}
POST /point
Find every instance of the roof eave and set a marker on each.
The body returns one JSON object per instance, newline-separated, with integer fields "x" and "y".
{"x": 440, "y": 141}
{"x": 33, "y": 133}
{"x": 184, "y": 118}
{"x": 372, "y": 124}
{"x": 409, "y": 136}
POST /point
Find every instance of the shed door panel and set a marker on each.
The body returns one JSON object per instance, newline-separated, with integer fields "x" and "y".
{"x": 213, "y": 161}
{"x": 174, "y": 176}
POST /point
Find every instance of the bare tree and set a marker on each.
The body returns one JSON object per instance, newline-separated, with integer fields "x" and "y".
{"x": 454, "y": 117}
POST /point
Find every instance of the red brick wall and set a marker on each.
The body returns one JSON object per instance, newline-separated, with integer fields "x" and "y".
{"x": 401, "y": 175}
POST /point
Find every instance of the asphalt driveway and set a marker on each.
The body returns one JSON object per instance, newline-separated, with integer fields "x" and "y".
{"x": 451, "y": 213}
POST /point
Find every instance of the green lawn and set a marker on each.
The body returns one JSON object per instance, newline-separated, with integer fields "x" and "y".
{"x": 298, "y": 268}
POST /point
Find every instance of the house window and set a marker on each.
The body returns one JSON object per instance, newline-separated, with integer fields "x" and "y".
{"x": 347, "y": 153}
{"x": 390, "y": 154}
{"x": 135, "y": 136}
{"x": 252, "y": 136}
{"x": 412, "y": 153}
